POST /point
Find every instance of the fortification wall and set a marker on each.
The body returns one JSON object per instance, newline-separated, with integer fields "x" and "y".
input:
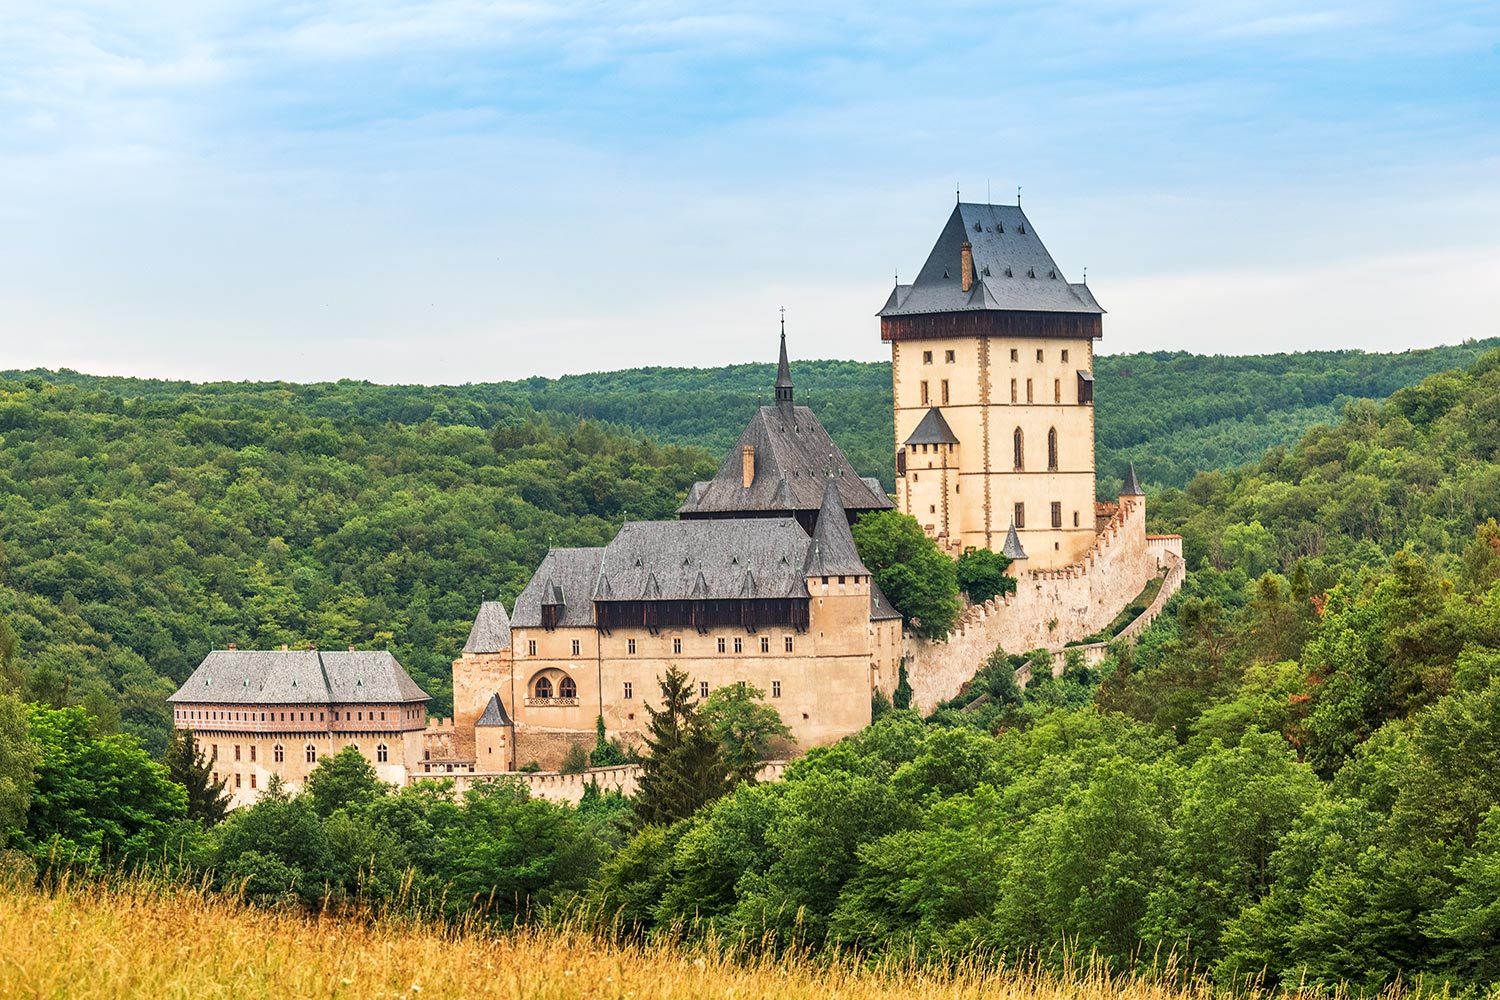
{"x": 569, "y": 788}
{"x": 1049, "y": 609}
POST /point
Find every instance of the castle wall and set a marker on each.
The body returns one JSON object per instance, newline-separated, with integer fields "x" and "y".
{"x": 1050, "y": 608}
{"x": 569, "y": 788}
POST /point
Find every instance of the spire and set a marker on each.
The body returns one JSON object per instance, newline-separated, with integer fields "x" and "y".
{"x": 1132, "y": 486}
{"x": 1012, "y": 549}
{"x": 832, "y": 552}
{"x": 783, "y": 373}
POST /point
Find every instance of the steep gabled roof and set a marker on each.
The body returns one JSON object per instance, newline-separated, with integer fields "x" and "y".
{"x": 491, "y": 631}
{"x": 704, "y": 560}
{"x": 933, "y": 429}
{"x": 881, "y": 608}
{"x": 494, "y": 713}
{"x": 1012, "y": 269}
{"x": 299, "y": 677}
{"x": 832, "y": 551}
{"x": 566, "y": 578}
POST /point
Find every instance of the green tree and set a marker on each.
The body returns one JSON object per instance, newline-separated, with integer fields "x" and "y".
{"x": 981, "y": 574}
{"x": 18, "y": 760}
{"x": 912, "y": 571}
{"x": 684, "y": 768}
{"x": 347, "y": 780}
{"x": 745, "y": 726}
{"x": 575, "y": 761}
{"x": 207, "y": 801}
{"x": 606, "y": 752}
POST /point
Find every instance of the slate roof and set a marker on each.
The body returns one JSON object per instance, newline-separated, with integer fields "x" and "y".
{"x": 298, "y": 677}
{"x": 730, "y": 558}
{"x": 491, "y": 631}
{"x": 1132, "y": 485}
{"x": 933, "y": 429}
{"x": 1012, "y": 269}
{"x": 1012, "y": 548}
{"x": 793, "y": 456}
{"x": 881, "y": 608}
{"x": 494, "y": 713}
{"x": 566, "y": 574}
{"x": 831, "y": 551}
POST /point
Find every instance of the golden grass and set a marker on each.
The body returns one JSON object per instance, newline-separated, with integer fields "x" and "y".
{"x": 83, "y": 941}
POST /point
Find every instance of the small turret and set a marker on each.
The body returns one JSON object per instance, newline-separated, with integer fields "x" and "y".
{"x": 784, "y": 378}
{"x": 1132, "y": 485}
{"x": 1013, "y": 550}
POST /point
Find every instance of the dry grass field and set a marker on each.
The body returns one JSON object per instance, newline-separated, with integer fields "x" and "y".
{"x": 86, "y": 942}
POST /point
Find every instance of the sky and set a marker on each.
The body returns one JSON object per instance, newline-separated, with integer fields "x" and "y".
{"x": 462, "y": 191}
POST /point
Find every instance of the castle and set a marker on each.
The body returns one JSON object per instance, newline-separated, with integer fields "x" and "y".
{"x": 759, "y": 582}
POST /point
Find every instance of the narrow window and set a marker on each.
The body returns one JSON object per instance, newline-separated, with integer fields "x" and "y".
{"x": 1056, "y": 514}
{"x": 677, "y": 645}
{"x": 252, "y": 780}
{"x": 567, "y": 688}
{"x": 382, "y": 754}
{"x": 629, "y": 690}
{"x": 542, "y": 688}
{"x": 1039, "y": 354}
{"x": 721, "y": 644}
{"x": 775, "y": 689}
{"x": 945, "y": 391}
{"x": 382, "y": 716}
{"x": 926, "y": 357}
{"x": 924, "y": 393}
{"x": 236, "y": 752}
{"x": 1057, "y": 390}
{"x": 213, "y": 752}
{"x": 703, "y": 689}
{"x": 948, "y": 357}
{"x": 312, "y": 754}
{"x": 765, "y": 644}
{"x": 236, "y": 781}
{"x": 630, "y": 646}
{"x": 1052, "y": 449}
{"x": 1030, "y": 398}
{"x": 1020, "y": 515}
{"x": 252, "y": 754}
{"x": 1075, "y": 519}
{"x": 1015, "y": 355}
{"x": 788, "y": 644}
{"x": 577, "y": 647}
{"x": 1065, "y": 356}
{"x": 1017, "y": 442}
{"x": 1013, "y": 397}
{"x": 278, "y": 753}
{"x": 739, "y": 647}
{"x": 530, "y": 647}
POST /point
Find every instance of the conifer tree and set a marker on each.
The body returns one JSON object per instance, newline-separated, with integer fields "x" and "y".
{"x": 685, "y": 767}
{"x": 186, "y": 765}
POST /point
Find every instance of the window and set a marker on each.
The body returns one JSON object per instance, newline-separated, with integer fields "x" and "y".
{"x": 252, "y": 755}
{"x": 1020, "y": 515}
{"x": 629, "y": 690}
{"x": 213, "y": 752}
{"x": 236, "y": 752}
{"x": 382, "y": 754}
{"x": 703, "y": 689}
{"x": 1030, "y": 398}
{"x": 924, "y": 393}
{"x": 775, "y": 689}
{"x": 1075, "y": 519}
{"x": 567, "y": 688}
{"x": 765, "y": 644}
{"x": 361, "y": 717}
{"x": 236, "y": 781}
{"x": 945, "y": 391}
{"x": 630, "y": 646}
{"x": 1018, "y": 441}
{"x": 677, "y": 645}
{"x": 542, "y": 688}
{"x": 932, "y": 508}
{"x": 1056, "y": 514}
{"x": 252, "y": 780}
{"x": 1015, "y": 355}
{"x": 926, "y": 357}
{"x": 382, "y": 716}
{"x": 948, "y": 357}
{"x": 278, "y": 754}
{"x": 721, "y": 644}
{"x": 1013, "y": 397}
{"x": 788, "y": 644}
{"x": 739, "y": 646}
{"x": 1065, "y": 357}
{"x": 577, "y": 647}
{"x": 1057, "y": 390}
{"x": 530, "y": 647}
{"x": 1052, "y": 449}
{"x": 312, "y": 753}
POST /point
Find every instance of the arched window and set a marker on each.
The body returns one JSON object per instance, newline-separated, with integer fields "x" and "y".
{"x": 566, "y": 688}
{"x": 1020, "y": 453}
{"x": 312, "y": 754}
{"x": 1052, "y": 449}
{"x": 543, "y": 687}
{"x": 382, "y": 754}
{"x": 278, "y": 753}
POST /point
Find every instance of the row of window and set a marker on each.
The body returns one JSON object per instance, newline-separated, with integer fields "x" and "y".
{"x": 630, "y": 688}
{"x": 278, "y": 754}
{"x": 1015, "y": 356}
{"x": 1014, "y": 392}
{"x": 207, "y": 715}
{"x": 566, "y": 688}
{"x": 631, "y": 648}
{"x": 1057, "y": 515}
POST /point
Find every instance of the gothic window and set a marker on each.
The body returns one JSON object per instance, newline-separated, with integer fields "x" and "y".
{"x": 311, "y": 753}
{"x": 278, "y": 753}
{"x": 1052, "y": 449}
{"x": 1018, "y": 440}
{"x": 566, "y": 688}
{"x": 542, "y": 688}
{"x": 382, "y": 754}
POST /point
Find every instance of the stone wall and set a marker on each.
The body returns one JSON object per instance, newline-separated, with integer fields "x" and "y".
{"x": 1049, "y": 609}
{"x": 569, "y": 787}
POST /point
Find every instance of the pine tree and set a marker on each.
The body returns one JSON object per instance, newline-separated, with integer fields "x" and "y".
{"x": 901, "y": 698}
{"x": 685, "y": 767}
{"x": 607, "y": 752}
{"x": 187, "y": 766}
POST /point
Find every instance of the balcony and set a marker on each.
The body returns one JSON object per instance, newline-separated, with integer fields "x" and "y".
{"x": 551, "y": 702}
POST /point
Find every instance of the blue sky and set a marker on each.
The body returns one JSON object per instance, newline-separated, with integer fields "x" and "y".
{"x": 466, "y": 191}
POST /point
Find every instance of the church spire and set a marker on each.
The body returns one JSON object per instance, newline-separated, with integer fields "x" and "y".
{"x": 783, "y": 373}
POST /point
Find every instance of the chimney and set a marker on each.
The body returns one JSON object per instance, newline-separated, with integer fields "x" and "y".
{"x": 966, "y": 261}
{"x": 233, "y": 647}
{"x": 747, "y": 463}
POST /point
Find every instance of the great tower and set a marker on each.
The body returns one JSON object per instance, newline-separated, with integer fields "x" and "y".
{"x": 992, "y": 364}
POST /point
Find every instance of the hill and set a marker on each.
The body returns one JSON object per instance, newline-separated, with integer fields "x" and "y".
{"x": 1172, "y": 413}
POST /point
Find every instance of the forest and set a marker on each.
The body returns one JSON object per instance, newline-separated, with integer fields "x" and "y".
{"x": 1291, "y": 778}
